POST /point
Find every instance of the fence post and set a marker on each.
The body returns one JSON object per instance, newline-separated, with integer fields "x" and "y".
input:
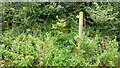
{"x": 80, "y": 28}
{"x": 80, "y": 23}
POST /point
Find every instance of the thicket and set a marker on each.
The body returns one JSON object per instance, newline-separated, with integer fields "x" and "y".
{"x": 46, "y": 34}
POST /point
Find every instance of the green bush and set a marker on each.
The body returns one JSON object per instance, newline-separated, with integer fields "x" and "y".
{"x": 42, "y": 48}
{"x": 29, "y": 38}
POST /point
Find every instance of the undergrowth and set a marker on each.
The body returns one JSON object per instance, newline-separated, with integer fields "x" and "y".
{"x": 34, "y": 46}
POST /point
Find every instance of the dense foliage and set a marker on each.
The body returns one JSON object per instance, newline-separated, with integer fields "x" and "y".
{"x": 46, "y": 34}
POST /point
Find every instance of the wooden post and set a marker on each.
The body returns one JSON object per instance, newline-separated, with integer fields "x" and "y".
{"x": 80, "y": 16}
{"x": 80, "y": 23}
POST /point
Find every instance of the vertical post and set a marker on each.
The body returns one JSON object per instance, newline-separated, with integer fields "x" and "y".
{"x": 80, "y": 26}
{"x": 80, "y": 23}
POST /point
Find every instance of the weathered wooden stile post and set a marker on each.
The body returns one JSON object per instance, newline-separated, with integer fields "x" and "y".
{"x": 80, "y": 23}
{"x": 80, "y": 16}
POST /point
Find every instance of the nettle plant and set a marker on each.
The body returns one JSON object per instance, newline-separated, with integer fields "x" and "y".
{"x": 97, "y": 50}
{"x": 26, "y": 49}
{"x": 20, "y": 51}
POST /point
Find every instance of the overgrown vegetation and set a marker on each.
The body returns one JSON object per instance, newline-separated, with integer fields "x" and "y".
{"x": 46, "y": 34}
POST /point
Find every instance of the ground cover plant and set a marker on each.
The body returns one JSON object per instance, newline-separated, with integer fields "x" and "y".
{"x": 46, "y": 34}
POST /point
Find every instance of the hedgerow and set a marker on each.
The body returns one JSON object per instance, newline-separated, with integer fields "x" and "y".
{"x": 46, "y": 34}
